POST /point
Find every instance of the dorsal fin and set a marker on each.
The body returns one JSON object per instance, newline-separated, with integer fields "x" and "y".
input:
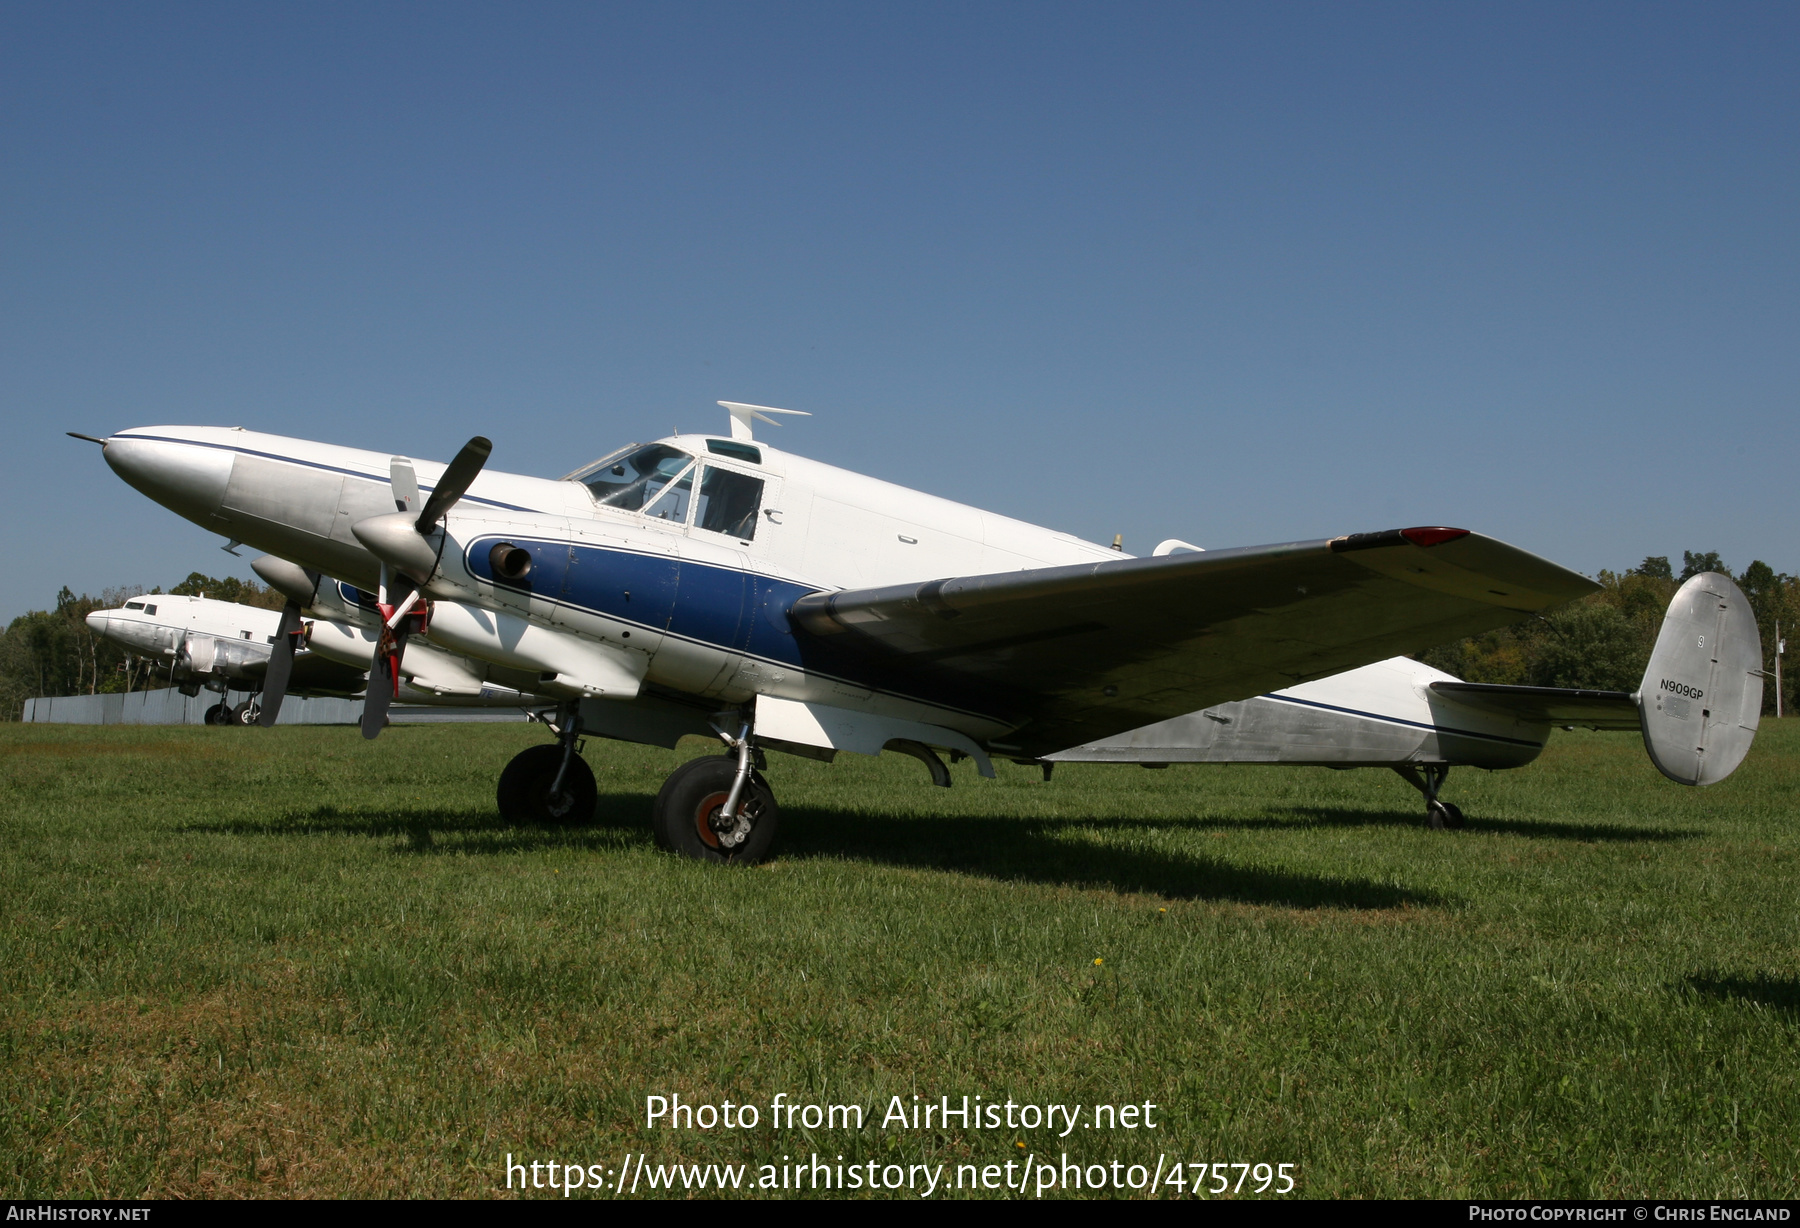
{"x": 742, "y": 415}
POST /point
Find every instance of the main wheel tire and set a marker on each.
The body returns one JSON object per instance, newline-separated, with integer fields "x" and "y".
{"x": 687, "y": 808}
{"x": 1454, "y": 814}
{"x": 217, "y": 715}
{"x": 1437, "y": 816}
{"x": 244, "y": 713}
{"x": 524, "y": 791}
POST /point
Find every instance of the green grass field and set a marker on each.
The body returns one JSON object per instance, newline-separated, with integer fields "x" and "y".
{"x": 288, "y": 962}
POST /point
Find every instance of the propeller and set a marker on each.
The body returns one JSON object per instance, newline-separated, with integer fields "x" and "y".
{"x": 281, "y": 664}
{"x": 405, "y": 483}
{"x": 299, "y": 586}
{"x": 458, "y": 475}
{"x": 398, "y": 623}
{"x": 399, "y": 541}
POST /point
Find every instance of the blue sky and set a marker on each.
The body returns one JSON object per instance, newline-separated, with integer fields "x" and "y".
{"x": 1235, "y": 274}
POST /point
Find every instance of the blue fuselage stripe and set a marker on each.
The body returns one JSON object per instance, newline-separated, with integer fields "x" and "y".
{"x": 1395, "y": 720}
{"x": 709, "y": 605}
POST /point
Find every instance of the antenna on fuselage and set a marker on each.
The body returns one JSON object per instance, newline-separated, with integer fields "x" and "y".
{"x": 742, "y": 415}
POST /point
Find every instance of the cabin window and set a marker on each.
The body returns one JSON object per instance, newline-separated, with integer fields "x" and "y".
{"x": 735, "y": 450}
{"x": 134, "y": 605}
{"x": 149, "y": 609}
{"x": 729, "y": 501}
{"x": 632, "y": 483}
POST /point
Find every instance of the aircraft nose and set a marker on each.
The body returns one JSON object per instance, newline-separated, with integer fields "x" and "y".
{"x": 186, "y": 478}
{"x": 98, "y": 622}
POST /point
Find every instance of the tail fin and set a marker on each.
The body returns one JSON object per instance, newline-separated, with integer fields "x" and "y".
{"x": 1702, "y": 693}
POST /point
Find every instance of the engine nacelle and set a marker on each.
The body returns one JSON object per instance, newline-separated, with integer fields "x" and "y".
{"x": 564, "y": 663}
{"x": 342, "y": 642}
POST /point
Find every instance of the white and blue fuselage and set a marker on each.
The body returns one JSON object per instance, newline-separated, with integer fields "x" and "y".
{"x": 669, "y": 570}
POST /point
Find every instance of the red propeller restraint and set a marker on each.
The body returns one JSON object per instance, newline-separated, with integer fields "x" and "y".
{"x": 393, "y": 638}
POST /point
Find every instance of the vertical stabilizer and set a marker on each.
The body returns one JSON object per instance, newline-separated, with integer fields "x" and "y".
{"x": 1702, "y": 693}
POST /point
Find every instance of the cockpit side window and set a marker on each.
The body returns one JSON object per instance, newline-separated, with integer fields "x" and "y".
{"x": 630, "y": 483}
{"x": 134, "y": 605}
{"x": 729, "y": 502}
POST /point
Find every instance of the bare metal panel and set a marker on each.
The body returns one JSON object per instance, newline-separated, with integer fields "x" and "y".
{"x": 1702, "y": 694}
{"x": 297, "y": 496}
{"x": 1264, "y": 730}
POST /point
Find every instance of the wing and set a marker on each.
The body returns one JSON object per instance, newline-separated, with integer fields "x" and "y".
{"x": 1073, "y": 654}
{"x": 316, "y": 675}
{"x": 1547, "y": 704}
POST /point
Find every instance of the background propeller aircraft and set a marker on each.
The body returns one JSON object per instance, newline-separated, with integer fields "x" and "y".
{"x": 226, "y": 646}
{"x": 220, "y": 646}
{"x": 704, "y": 583}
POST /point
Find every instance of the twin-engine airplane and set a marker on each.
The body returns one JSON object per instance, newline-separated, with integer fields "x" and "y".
{"x": 704, "y": 583}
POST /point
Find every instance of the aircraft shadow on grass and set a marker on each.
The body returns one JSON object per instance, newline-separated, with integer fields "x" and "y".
{"x": 1541, "y": 829}
{"x": 623, "y": 817}
{"x": 1030, "y": 850}
{"x": 1006, "y": 849}
{"x": 1777, "y": 993}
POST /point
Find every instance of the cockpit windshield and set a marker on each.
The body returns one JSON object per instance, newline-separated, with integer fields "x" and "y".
{"x": 631, "y": 481}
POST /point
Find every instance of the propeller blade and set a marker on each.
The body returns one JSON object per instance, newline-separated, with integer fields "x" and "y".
{"x": 455, "y": 482}
{"x": 384, "y": 681}
{"x": 405, "y": 483}
{"x": 281, "y": 665}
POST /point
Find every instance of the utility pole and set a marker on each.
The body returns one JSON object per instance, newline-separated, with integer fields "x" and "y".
{"x": 1780, "y": 647}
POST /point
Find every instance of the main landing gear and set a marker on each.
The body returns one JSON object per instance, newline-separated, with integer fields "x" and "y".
{"x": 224, "y": 714}
{"x": 550, "y": 785}
{"x": 718, "y": 808}
{"x": 1428, "y": 779}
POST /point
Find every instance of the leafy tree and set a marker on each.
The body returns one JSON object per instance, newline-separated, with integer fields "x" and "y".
{"x": 1656, "y": 566}
{"x": 243, "y": 592}
{"x": 1594, "y": 645}
{"x": 1775, "y": 600}
{"x": 1693, "y": 564}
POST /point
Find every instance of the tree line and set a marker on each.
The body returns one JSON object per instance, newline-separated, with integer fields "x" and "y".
{"x": 1601, "y": 642}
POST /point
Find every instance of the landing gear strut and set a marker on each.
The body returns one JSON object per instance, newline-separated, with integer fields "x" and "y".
{"x": 550, "y": 785}
{"x": 1428, "y": 778}
{"x": 718, "y": 808}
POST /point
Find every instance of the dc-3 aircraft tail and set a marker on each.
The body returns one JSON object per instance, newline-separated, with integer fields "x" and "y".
{"x": 718, "y": 586}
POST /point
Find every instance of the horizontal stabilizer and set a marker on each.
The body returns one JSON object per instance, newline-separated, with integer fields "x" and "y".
{"x": 1546, "y": 705}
